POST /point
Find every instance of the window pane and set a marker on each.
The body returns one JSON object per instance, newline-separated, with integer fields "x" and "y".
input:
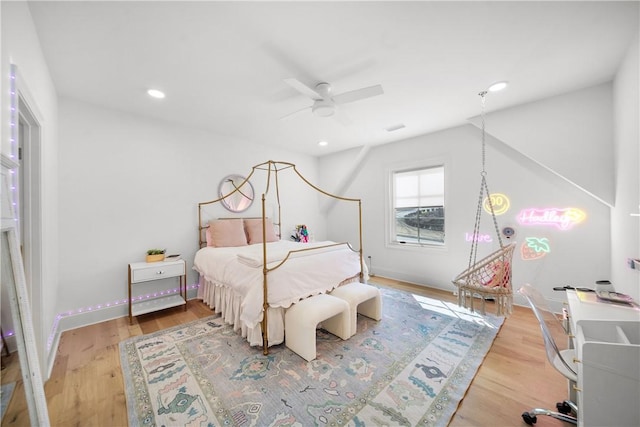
{"x": 419, "y": 206}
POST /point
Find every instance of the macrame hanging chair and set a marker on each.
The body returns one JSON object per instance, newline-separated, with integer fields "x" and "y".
{"x": 490, "y": 277}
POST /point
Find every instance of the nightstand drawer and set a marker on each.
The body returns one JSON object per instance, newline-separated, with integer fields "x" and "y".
{"x": 157, "y": 272}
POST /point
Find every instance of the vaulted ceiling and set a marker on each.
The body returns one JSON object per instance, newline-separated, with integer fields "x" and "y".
{"x": 224, "y": 65}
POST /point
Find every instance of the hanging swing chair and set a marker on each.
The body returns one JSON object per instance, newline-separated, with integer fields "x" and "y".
{"x": 490, "y": 277}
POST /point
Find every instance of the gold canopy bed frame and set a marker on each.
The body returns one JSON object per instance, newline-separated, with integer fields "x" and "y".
{"x": 273, "y": 169}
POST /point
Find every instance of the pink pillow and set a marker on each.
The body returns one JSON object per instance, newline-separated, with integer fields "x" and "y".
{"x": 207, "y": 234}
{"x": 226, "y": 233}
{"x": 500, "y": 275}
{"x": 253, "y": 228}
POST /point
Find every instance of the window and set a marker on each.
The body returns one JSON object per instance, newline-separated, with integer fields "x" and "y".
{"x": 418, "y": 206}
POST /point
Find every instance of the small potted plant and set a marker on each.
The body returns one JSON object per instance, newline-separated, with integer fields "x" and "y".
{"x": 155, "y": 255}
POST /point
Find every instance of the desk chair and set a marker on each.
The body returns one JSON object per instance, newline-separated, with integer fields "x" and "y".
{"x": 561, "y": 360}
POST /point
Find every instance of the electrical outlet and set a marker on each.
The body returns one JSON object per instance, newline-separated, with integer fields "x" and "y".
{"x": 371, "y": 274}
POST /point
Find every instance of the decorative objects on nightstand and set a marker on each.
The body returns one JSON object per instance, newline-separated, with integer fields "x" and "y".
{"x": 155, "y": 255}
{"x": 141, "y": 272}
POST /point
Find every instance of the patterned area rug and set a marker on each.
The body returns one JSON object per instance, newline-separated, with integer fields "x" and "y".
{"x": 6, "y": 391}
{"x": 411, "y": 368}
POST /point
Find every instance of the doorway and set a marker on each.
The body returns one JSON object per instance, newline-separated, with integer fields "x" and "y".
{"x": 29, "y": 213}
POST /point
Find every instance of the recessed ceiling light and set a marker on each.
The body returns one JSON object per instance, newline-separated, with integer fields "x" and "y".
{"x": 498, "y": 86}
{"x": 323, "y": 143}
{"x": 155, "y": 93}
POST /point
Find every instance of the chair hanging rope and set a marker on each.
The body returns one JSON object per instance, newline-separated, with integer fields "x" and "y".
{"x": 490, "y": 276}
{"x": 484, "y": 189}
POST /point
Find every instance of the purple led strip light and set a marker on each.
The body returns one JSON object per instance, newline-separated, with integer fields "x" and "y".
{"x": 102, "y": 307}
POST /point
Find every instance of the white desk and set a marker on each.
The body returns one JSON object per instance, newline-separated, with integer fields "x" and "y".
{"x": 606, "y": 337}
{"x": 585, "y": 306}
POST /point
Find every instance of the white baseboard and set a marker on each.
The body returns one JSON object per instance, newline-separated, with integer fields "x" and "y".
{"x": 555, "y": 304}
{"x": 89, "y": 317}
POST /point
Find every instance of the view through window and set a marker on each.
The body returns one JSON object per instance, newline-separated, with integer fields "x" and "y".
{"x": 418, "y": 206}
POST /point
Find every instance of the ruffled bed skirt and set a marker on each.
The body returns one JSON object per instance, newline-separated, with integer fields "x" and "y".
{"x": 225, "y": 301}
{"x": 228, "y": 303}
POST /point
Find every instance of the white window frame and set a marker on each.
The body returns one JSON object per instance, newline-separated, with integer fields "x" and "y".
{"x": 390, "y": 231}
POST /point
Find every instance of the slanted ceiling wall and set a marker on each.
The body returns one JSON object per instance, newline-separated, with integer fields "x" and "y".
{"x": 571, "y": 135}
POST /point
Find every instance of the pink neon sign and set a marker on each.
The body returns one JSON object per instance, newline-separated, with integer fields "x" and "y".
{"x": 477, "y": 237}
{"x": 564, "y": 219}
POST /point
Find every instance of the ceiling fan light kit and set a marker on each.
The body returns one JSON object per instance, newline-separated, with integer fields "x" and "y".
{"x": 323, "y": 108}
{"x": 324, "y": 104}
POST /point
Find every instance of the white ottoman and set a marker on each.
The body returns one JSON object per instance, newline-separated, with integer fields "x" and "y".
{"x": 362, "y": 298}
{"x": 302, "y": 318}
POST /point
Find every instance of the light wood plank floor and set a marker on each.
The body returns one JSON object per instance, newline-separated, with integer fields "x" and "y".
{"x": 86, "y": 386}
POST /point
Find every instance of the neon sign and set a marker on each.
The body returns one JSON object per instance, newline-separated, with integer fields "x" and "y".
{"x": 477, "y": 237}
{"x": 499, "y": 201}
{"x": 534, "y": 248}
{"x": 563, "y": 219}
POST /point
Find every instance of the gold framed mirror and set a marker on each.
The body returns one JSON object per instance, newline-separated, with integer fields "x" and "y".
{"x": 236, "y": 193}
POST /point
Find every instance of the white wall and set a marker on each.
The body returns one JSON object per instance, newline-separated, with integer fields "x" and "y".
{"x": 578, "y": 256}
{"x": 129, "y": 183}
{"x": 625, "y": 229}
{"x": 20, "y": 46}
{"x": 555, "y": 132}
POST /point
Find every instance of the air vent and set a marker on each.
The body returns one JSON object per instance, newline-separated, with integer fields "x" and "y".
{"x": 395, "y": 127}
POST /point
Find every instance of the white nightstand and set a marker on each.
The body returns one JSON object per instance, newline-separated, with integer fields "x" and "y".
{"x": 140, "y": 272}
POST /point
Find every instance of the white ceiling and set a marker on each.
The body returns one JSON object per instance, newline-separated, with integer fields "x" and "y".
{"x": 223, "y": 64}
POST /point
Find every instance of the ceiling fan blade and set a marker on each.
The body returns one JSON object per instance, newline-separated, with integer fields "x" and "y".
{"x": 303, "y": 88}
{"x": 340, "y": 116}
{"x": 288, "y": 116}
{"x": 358, "y": 94}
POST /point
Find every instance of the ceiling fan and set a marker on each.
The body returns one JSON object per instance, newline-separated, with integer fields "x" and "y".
{"x": 324, "y": 103}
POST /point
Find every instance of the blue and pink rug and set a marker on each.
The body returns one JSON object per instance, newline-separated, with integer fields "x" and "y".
{"x": 6, "y": 391}
{"x": 411, "y": 368}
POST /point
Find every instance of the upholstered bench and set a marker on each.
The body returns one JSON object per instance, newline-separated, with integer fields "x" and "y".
{"x": 302, "y": 318}
{"x": 362, "y": 298}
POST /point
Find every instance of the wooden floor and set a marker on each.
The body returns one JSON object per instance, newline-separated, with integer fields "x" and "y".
{"x": 86, "y": 386}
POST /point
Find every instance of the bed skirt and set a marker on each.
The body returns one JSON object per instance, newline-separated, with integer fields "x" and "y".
{"x": 225, "y": 301}
{"x": 222, "y": 299}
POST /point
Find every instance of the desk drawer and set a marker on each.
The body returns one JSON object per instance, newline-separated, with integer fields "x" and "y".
{"x": 157, "y": 272}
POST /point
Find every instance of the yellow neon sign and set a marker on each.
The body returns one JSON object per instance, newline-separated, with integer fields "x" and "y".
{"x": 499, "y": 201}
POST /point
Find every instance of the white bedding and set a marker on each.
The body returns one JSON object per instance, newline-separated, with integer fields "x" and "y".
{"x": 231, "y": 281}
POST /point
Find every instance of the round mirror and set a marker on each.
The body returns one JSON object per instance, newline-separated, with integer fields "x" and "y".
{"x": 236, "y": 193}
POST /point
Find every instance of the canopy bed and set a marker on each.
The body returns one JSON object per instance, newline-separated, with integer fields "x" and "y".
{"x": 250, "y": 274}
